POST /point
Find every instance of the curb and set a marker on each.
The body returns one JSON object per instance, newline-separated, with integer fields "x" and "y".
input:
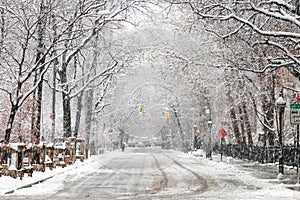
{"x": 44, "y": 179}
{"x": 28, "y": 185}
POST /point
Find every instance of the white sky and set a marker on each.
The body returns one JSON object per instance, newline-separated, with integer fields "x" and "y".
{"x": 269, "y": 189}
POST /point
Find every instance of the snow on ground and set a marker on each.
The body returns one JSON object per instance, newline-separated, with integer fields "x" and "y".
{"x": 55, "y": 179}
{"x": 251, "y": 188}
{"x": 259, "y": 188}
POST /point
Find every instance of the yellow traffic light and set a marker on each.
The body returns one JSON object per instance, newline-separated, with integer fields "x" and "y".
{"x": 167, "y": 114}
{"x": 143, "y": 110}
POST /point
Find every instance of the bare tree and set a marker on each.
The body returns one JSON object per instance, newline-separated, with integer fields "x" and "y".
{"x": 273, "y": 24}
{"x": 25, "y": 25}
{"x": 17, "y": 61}
{"x": 37, "y": 107}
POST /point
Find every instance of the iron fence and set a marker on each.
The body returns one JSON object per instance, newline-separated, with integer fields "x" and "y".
{"x": 261, "y": 154}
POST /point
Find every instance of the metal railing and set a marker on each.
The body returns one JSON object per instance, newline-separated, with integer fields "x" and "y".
{"x": 260, "y": 154}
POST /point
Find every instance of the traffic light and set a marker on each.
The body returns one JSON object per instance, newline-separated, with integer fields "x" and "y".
{"x": 167, "y": 114}
{"x": 142, "y": 111}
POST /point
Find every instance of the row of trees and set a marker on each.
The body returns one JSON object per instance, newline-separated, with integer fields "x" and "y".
{"x": 258, "y": 54}
{"x": 49, "y": 47}
{"x": 232, "y": 57}
{"x": 204, "y": 51}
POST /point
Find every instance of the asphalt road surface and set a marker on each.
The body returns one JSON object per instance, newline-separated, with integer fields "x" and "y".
{"x": 138, "y": 173}
{"x": 146, "y": 173}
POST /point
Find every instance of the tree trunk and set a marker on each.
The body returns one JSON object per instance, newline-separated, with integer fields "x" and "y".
{"x": 10, "y": 122}
{"x": 235, "y": 125}
{"x": 88, "y": 119}
{"x": 244, "y": 118}
{"x": 242, "y": 123}
{"x": 78, "y": 114}
{"x": 90, "y": 98}
{"x": 66, "y": 115}
{"x": 177, "y": 117}
{"x": 33, "y": 110}
{"x": 247, "y": 124}
{"x": 40, "y": 61}
{"x": 67, "y": 129}
{"x": 232, "y": 113}
{"x": 79, "y": 104}
{"x": 268, "y": 102}
{"x": 13, "y": 111}
{"x": 39, "y": 110}
{"x": 66, "y": 102}
{"x": 55, "y": 66}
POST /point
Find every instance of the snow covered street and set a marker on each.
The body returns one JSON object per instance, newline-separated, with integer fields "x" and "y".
{"x": 147, "y": 173}
{"x": 119, "y": 99}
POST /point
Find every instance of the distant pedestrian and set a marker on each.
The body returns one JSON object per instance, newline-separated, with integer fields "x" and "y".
{"x": 101, "y": 151}
{"x": 123, "y": 146}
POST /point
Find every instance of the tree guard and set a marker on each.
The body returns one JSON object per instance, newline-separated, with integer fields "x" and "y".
{"x": 38, "y": 157}
{"x": 59, "y": 152}
{"x": 79, "y": 150}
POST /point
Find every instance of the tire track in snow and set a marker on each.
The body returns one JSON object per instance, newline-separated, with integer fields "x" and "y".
{"x": 202, "y": 181}
{"x": 163, "y": 183}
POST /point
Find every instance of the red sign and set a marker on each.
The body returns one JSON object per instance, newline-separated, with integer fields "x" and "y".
{"x": 223, "y": 123}
{"x": 222, "y": 132}
{"x": 197, "y": 133}
{"x": 298, "y": 97}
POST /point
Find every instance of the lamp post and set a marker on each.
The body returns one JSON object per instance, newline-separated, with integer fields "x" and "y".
{"x": 280, "y": 104}
{"x": 209, "y": 124}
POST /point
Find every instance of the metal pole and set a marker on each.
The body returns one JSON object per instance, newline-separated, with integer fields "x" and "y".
{"x": 280, "y": 143}
{"x": 298, "y": 127}
{"x": 221, "y": 148}
{"x": 209, "y": 142}
{"x": 280, "y": 103}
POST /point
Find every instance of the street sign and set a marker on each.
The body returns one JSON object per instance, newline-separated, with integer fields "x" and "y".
{"x": 295, "y": 113}
{"x": 223, "y": 123}
{"x": 222, "y": 132}
{"x": 298, "y": 98}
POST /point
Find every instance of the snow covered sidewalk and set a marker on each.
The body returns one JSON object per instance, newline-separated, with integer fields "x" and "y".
{"x": 255, "y": 181}
{"x": 10, "y": 185}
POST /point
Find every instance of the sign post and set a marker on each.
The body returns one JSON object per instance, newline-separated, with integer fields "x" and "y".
{"x": 295, "y": 120}
{"x": 297, "y": 153}
{"x": 295, "y": 114}
{"x": 222, "y": 133}
{"x": 197, "y": 133}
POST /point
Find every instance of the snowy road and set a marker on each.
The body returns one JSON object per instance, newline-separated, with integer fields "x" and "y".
{"x": 154, "y": 174}
{"x": 137, "y": 174}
